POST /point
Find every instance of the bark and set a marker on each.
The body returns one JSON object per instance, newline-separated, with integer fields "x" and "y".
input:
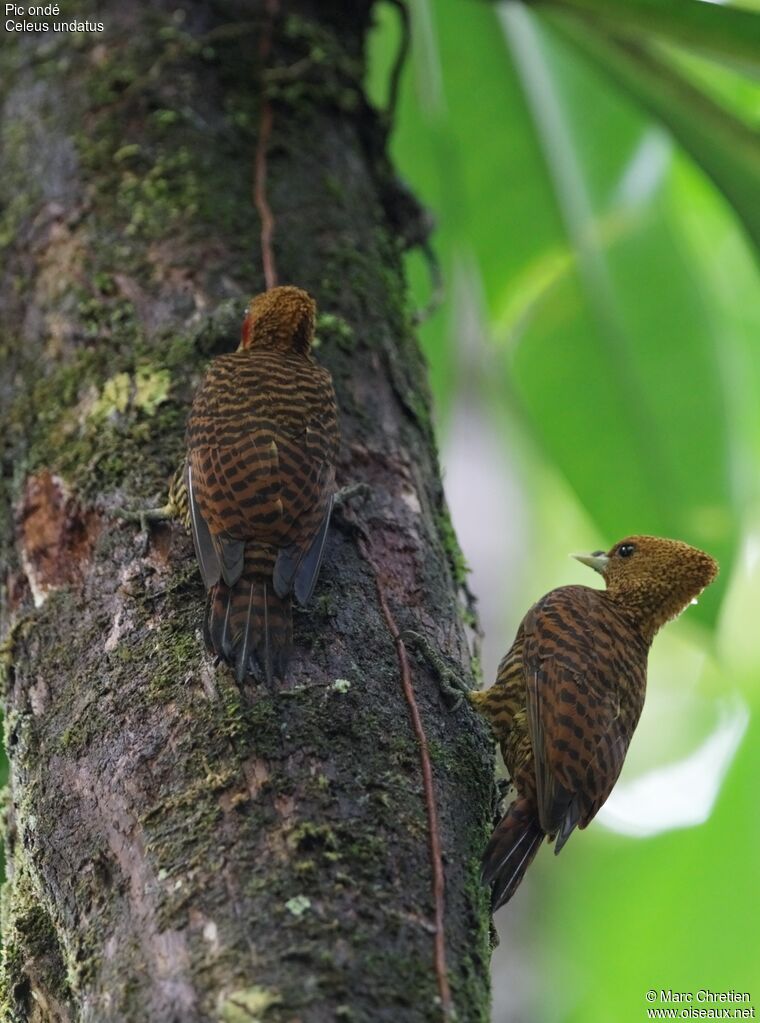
{"x": 178, "y": 848}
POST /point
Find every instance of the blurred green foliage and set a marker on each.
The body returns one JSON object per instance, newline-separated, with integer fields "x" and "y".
{"x": 594, "y": 169}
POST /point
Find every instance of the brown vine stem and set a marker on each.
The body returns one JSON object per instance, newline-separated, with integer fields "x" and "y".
{"x": 436, "y": 858}
{"x": 260, "y": 166}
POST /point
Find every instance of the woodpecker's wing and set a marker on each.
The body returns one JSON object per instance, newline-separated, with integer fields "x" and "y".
{"x": 205, "y": 551}
{"x": 219, "y": 546}
{"x": 585, "y": 675}
{"x": 299, "y": 562}
{"x": 297, "y": 568}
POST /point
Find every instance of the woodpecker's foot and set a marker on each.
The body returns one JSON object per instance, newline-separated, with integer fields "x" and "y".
{"x": 453, "y": 686}
{"x": 147, "y": 515}
{"x": 348, "y": 493}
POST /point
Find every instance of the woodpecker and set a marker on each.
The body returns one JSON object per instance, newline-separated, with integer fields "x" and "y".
{"x": 569, "y": 692}
{"x": 258, "y": 482}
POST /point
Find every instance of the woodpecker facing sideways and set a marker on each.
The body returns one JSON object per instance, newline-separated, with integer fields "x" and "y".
{"x": 262, "y": 441}
{"x": 569, "y": 693}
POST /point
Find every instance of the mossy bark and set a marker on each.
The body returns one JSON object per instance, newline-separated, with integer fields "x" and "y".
{"x": 179, "y": 849}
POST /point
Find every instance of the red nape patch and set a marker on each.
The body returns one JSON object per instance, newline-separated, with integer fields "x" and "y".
{"x": 57, "y": 535}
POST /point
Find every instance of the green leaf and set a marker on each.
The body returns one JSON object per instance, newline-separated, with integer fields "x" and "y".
{"x": 721, "y": 143}
{"x": 715, "y": 29}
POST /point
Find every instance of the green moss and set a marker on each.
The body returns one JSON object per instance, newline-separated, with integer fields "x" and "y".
{"x": 29, "y": 939}
{"x": 159, "y": 178}
{"x": 153, "y": 199}
{"x": 248, "y": 1005}
{"x": 320, "y": 844}
{"x": 438, "y": 754}
{"x": 409, "y": 981}
{"x": 334, "y": 187}
{"x": 467, "y": 984}
{"x": 324, "y": 605}
{"x": 15, "y": 212}
{"x": 98, "y": 436}
{"x": 171, "y": 652}
{"x": 262, "y": 720}
{"x": 193, "y": 794}
{"x": 457, "y": 563}
{"x": 334, "y": 330}
{"x": 165, "y": 118}
{"x": 233, "y": 721}
{"x": 76, "y": 737}
{"x": 329, "y": 76}
{"x": 298, "y": 905}
{"x": 19, "y": 196}
{"x": 126, "y": 153}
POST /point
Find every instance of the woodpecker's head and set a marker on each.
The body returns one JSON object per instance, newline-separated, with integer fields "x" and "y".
{"x": 280, "y": 319}
{"x": 653, "y": 578}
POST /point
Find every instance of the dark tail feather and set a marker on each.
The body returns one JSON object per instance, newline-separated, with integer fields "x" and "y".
{"x": 216, "y": 622}
{"x": 249, "y": 627}
{"x": 244, "y": 647}
{"x": 511, "y": 849}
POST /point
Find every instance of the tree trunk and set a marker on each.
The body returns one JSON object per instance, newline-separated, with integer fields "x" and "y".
{"x": 179, "y": 848}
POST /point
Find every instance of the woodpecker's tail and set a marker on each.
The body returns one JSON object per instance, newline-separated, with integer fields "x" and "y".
{"x": 247, "y": 624}
{"x": 511, "y": 849}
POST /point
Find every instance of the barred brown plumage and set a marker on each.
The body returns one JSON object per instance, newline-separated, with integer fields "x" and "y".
{"x": 569, "y": 692}
{"x": 262, "y": 440}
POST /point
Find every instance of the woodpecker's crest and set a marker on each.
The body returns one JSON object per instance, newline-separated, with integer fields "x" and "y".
{"x": 654, "y": 578}
{"x": 281, "y": 319}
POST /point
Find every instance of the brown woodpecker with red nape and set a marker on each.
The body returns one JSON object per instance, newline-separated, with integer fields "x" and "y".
{"x": 569, "y": 693}
{"x": 259, "y": 479}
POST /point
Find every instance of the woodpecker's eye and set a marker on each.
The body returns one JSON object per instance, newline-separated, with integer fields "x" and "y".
{"x": 625, "y": 550}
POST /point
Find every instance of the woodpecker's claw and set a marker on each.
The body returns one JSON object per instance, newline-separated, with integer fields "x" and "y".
{"x": 144, "y": 516}
{"x": 348, "y": 493}
{"x": 343, "y": 514}
{"x": 453, "y": 687}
